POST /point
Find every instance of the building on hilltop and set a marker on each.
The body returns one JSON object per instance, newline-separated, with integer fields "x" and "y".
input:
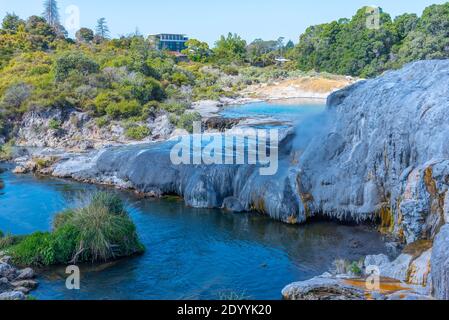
{"x": 169, "y": 42}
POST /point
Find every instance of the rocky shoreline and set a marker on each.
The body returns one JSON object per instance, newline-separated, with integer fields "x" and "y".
{"x": 15, "y": 284}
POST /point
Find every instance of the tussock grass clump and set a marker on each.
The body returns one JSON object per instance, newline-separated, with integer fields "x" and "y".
{"x": 98, "y": 232}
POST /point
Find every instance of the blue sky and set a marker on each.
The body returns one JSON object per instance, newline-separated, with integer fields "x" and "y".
{"x": 208, "y": 19}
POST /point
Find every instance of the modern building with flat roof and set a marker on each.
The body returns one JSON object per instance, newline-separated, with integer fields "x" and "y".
{"x": 170, "y": 42}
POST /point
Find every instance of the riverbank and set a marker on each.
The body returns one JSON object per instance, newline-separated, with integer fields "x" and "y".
{"x": 15, "y": 284}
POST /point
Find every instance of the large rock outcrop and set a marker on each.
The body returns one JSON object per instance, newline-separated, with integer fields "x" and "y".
{"x": 385, "y": 152}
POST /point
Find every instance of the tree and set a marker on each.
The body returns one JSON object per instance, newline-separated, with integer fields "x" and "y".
{"x": 230, "y": 49}
{"x": 430, "y": 38}
{"x": 84, "y": 35}
{"x": 11, "y": 22}
{"x": 259, "y": 52}
{"x": 406, "y": 23}
{"x": 74, "y": 62}
{"x": 196, "y": 50}
{"x": 290, "y": 45}
{"x": 102, "y": 29}
{"x": 41, "y": 34}
{"x": 51, "y": 13}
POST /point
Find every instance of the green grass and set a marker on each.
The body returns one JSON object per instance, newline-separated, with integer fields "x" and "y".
{"x": 99, "y": 232}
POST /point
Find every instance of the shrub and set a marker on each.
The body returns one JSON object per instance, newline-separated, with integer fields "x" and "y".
{"x": 174, "y": 107}
{"x": 101, "y": 231}
{"x": 124, "y": 109}
{"x": 113, "y": 203}
{"x": 16, "y": 95}
{"x": 137, "y": 132}
{"x": 180, "y": 79}
{"x": 75, "y": 62}
{"x": 102, "y": 121}
{"x": 104, "y": 99}
{"x": 54, "y": 124}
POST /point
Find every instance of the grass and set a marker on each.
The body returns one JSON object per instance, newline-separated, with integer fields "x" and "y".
{"x": 99, "y": 232}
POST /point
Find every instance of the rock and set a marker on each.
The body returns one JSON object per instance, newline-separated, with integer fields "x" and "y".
{"x": 5, "y": 285}
{"x": 419, "y": 270}
{"x": 162, "y": 128}
{"x": 29, "y": 284}
{"x": 22, "y": 289}
{"x": 221, "y": 124}
{"x": 14, "y": 295}
{"x": 5, "y": 259}
{"x": 26, "y": 274}
{"x": 376, "y": 260}
{"x": 6, "y": 271}
{"x": 20, "y": 170}
{"x": 179, "y": 133}
{"x": 232, "y": 204}
{"x": 440, "y": 264}
{"x": 398, "y": 269}
{"x": 207, "y": 108}
{"x": 389, "y": 133}
{"x": 408, "y": 296}
{"x": 446, "y": 208}
{"x": 322, "y": 289}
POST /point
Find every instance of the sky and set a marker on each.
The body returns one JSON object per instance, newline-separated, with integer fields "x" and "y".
{"x": 208, "y": 19}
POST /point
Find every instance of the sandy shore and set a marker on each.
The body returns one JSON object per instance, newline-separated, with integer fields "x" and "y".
{"x": 313, "y": 87}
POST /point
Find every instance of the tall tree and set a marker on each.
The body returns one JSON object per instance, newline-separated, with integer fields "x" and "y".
{"x": 102, "y": 29}
{"x": 230, "y": 49}
{"x": 51, "y": 13}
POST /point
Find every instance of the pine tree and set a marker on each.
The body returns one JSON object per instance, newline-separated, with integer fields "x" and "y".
{"x": 51, "y": 13}
{"x": 102, "y": 29}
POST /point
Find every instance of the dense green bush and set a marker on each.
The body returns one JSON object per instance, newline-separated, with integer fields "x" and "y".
{"x": 74, "y": 62}
{"x": 124, "y": 109}
{"x": 100, "y": 231}
{"x": 137, "y": 132}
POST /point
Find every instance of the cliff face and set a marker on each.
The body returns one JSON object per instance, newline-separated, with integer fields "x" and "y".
{"x": 385, "y": 152}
